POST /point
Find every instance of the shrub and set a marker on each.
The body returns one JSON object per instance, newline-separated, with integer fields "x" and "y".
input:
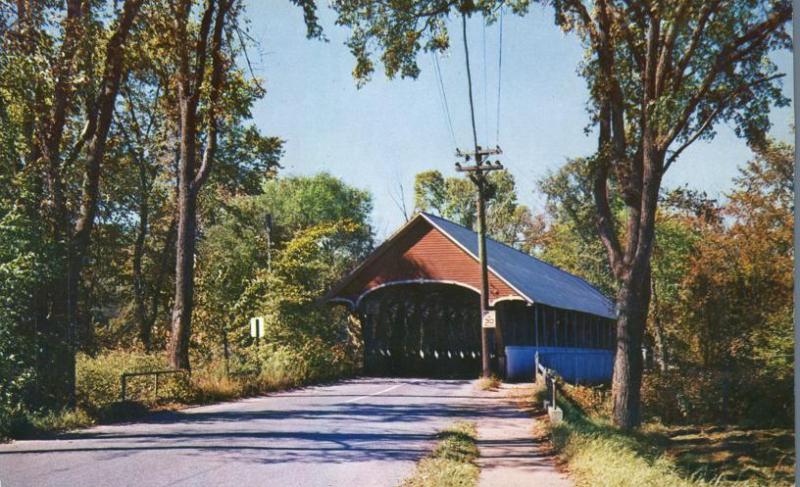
{"x": 702, "y": 395}
{"x": 313, "y": 361}
{"x": 98, "y": 379}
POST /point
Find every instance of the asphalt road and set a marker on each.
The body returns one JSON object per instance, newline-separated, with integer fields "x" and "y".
{"x": 362, "y": 432}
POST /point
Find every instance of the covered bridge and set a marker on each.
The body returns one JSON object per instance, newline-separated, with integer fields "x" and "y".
{"x": 417, "y": 297}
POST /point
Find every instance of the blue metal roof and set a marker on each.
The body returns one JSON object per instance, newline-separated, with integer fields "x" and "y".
{"x": 535, "y": 279}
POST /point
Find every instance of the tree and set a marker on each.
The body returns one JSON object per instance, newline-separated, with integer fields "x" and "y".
{"x": 319, "y": 341}
{"x": 192, "y": 50}
{"x": 454, "y": 198}
{"x": 739, "y": 286}
{"x": 661, "y": 76}
{"x": 570, "y": 240}
{"x": 234, "y": 252}
{"x": 193, "y": 44}
{"x": 299, "y": 202}
{"x": 60, "y": 88}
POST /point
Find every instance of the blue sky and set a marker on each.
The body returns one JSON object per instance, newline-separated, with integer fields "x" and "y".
{"x": 378, "y": 137}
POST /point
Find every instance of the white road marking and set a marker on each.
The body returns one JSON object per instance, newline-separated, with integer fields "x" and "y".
{"x": 374, "y": 394}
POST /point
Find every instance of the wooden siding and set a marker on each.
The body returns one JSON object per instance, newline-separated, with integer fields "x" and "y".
{"x": 422, "y": 252}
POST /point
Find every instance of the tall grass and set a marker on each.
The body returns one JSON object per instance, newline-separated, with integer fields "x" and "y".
{"x": 452, "y": 462}
{"x": 98, "y": 386}
{"x": 599, "y": 454}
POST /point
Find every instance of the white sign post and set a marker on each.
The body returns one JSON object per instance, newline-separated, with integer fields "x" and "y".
{"x": 257, "y": 332}
{"x": 489, "y": 319}
{"x": 257, "y": 327}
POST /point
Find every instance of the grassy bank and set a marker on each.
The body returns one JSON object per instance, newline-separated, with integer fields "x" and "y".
{"x": 452, "y": 462}
{"x": 597, "y": 453}
{"x": 98, "y": 389}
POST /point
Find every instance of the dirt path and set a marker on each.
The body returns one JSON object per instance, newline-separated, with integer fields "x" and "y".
{"x": 509, "y": 454}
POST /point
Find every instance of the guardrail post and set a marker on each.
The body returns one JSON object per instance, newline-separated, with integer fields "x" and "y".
{"x": 122, "y": 379}
{"x": 156, "y": 386}
{"x": 553, "y": 381}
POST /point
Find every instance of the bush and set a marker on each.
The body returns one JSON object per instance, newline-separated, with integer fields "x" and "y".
{"x": 98, "y": 379}
{"x": 707, "y": 396}
{"x": 313, "y": 361}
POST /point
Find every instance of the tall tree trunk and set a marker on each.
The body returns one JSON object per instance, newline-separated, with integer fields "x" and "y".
{"x": 139, "y": 293}
{"x": 96, "y": 149}
{"x": 60, "y": 331}
{"x": 178, "y": 349}
{"x": 190, "y": 177}
{"x": 56, "y": 367}
{"x": 633, "y": 301}
{"x": 162, "y": 273}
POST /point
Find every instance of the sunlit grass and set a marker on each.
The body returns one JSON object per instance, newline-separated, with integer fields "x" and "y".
{"x": 488, "y": 383}
{"x": 452, "y": 462}
{"x": 599, "y": 454}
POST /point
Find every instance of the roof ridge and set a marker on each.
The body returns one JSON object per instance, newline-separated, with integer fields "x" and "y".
{"x": 579, "y": 278}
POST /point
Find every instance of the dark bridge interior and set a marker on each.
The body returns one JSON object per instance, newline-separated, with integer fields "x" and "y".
{"x": 421, "y": 330}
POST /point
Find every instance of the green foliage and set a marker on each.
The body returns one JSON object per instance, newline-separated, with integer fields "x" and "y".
{"x": 288, "y": 299}
{"x": 310, "y": 250}
{"x": 299, "y": 202}
{"x": 571, "y": 241}
{"x": 396, "y": 32}
{"x": 455, "y": 198}
{"x": 563, "y": 245}
{"x": 98, "y": 383}
{"x": 26, "y": 263}
{"x": 26, "y": 424}
{"x": 51, "y": 71}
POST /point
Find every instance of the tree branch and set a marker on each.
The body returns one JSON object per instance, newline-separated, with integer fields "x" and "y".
{"x": 638, "y": 56}
{"x": 665, "y": 60}
{"x": 727, "y": 56}
{"x": 606, "y": 226}
{"x": 217, "y": 71}
{"x": 109, "y": 87}
{"x": 696, "y": 36}
{"x": 201, "y": 48}
{"x": 707, "y": 122}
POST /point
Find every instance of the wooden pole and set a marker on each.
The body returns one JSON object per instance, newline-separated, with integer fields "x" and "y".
{"x": 477, "y": 175}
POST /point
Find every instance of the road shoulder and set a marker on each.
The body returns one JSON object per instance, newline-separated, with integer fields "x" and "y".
{"x": 510, "y": 455}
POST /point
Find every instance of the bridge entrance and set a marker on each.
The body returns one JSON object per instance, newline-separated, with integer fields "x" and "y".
{"x": 421, "y": 330}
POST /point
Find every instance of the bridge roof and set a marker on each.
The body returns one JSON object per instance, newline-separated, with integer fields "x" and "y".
{"x": 533, "y": 278}
{"x": 519, "y": 273}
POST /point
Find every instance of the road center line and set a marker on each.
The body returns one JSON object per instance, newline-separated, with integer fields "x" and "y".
{"x": 374, "y": 394}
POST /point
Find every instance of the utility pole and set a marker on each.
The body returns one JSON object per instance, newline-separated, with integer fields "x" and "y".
{"x": 477, "y": 174}
{"x": 268, "y": 228}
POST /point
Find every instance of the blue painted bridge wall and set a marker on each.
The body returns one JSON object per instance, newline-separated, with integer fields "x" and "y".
{"x": 575, "y": 365}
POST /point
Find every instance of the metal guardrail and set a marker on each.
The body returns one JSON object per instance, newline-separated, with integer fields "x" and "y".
{"x": 155, "y": 373}
{"x": 550, "y": 380}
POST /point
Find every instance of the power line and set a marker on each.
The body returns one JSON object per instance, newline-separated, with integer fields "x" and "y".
{"x": 443, "y": 98}
{"x": 485, "y": 87}
{"x": 469, "y": 80}
{"x": 499, "y": 77}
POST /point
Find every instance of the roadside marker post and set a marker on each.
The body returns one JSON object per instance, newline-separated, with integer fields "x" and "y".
{"x": 257, "y": 331}
{"x": 257, "y": 327}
